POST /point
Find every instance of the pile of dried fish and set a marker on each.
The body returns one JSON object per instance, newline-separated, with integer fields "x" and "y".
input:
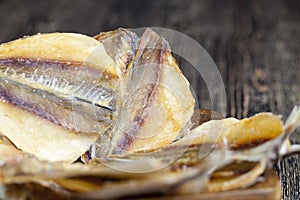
{"x": 121, "y": 104}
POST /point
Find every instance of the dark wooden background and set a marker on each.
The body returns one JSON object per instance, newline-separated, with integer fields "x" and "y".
{"x": 255, "y": 45}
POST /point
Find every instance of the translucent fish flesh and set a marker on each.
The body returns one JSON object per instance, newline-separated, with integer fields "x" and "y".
{"x": 58, "y": 92}
{"x": 120, "y": 100}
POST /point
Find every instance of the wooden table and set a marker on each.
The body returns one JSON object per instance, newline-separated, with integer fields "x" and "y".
{"x": 255, "y": 44}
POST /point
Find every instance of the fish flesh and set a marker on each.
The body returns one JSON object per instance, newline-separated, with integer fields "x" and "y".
{"x": 209, "y": 173}
{"x": 152, "y": 85}
{"x": 122, "y": 103}
{"x": 108, "y": 90}
{"x": 58, "y": 92}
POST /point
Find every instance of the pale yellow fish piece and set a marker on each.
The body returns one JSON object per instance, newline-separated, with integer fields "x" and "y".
{"x": 42, "y": 138}
{"x": 69, "y": 47}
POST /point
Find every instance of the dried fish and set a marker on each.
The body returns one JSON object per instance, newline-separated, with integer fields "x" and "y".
{"x": 125, "y": 100}
{"x": 99, "y": 182}
{"x": 152, "y": 86}
{"x": 45, "y": 86}
{"x": 58, "y": 92}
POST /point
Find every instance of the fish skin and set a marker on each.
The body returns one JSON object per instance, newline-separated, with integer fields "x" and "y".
{"x": 53, "y": 92}
{"x": 87, "y": 96}
{"x": 64, "y": 79}
{"x": 137, "y": 91}
{"x": 184, "y": 178}
{"x": 144, "y": 90}
{"x": 120, "y": 45}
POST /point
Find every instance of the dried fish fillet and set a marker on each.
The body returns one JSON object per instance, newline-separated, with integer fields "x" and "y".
{"x": 155, "y": 102}
{"x": 215, "y": 134}
{"x": 234, "y": 133}
{"x": 63, "y": 81}
{"x": 125, "y": 99}
{"x": 255, "y": 130}
{"x": 41, "y": 137}
{"x": 49, "y": 79}
{"x": 88, "y": 182}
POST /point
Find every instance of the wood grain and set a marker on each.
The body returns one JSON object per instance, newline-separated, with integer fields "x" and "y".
{"x": 254, "y": 43}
